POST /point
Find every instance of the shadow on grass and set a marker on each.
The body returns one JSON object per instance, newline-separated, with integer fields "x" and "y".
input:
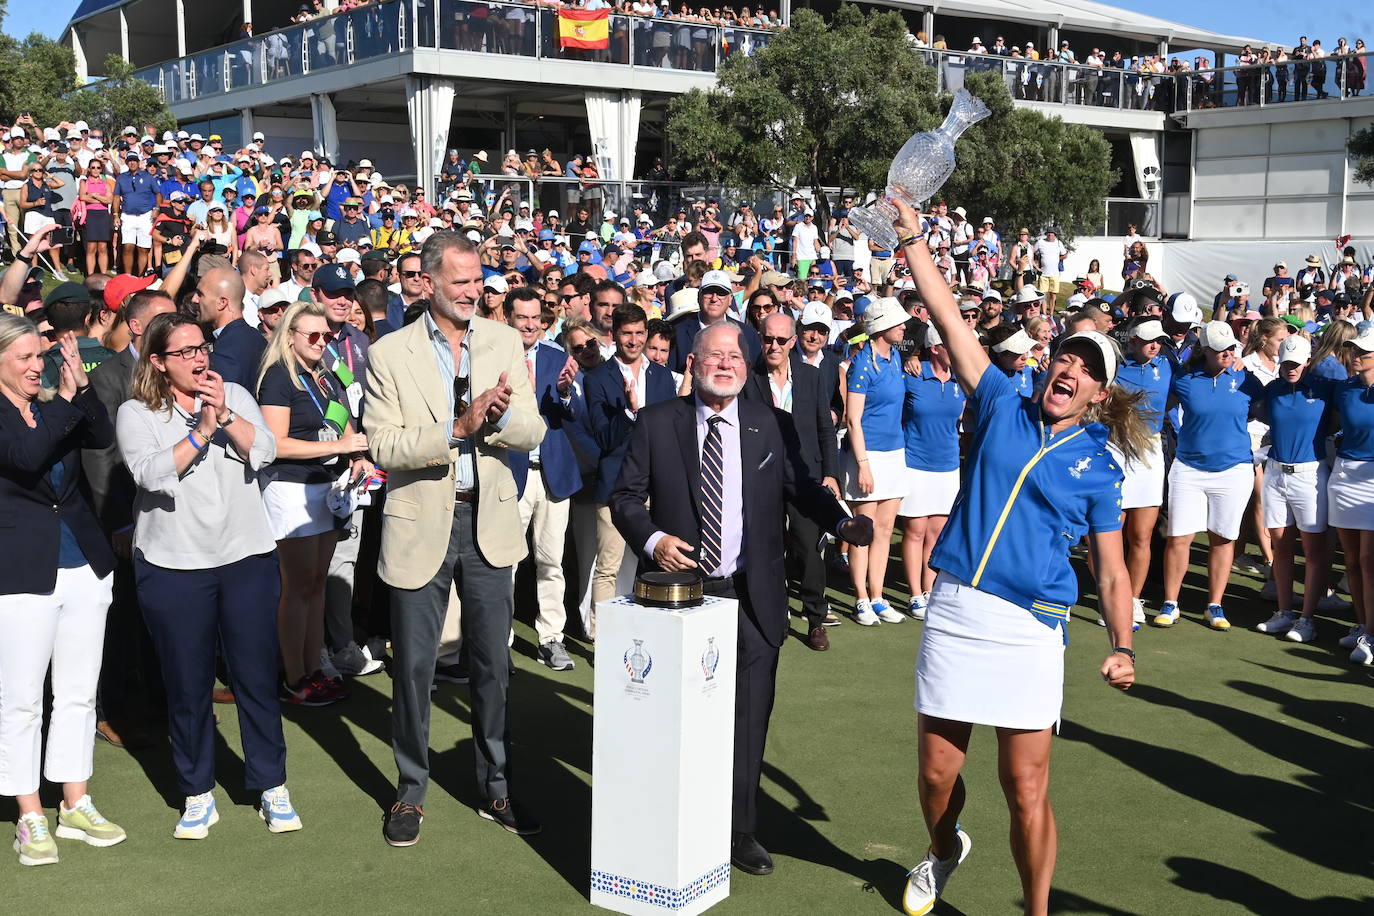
{"x": 369, "y": 709}
{"x": 1069, "y": 902}
{"x": 1221, "y": 882}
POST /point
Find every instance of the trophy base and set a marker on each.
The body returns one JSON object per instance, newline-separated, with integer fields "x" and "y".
{"x": 875, "y": 221}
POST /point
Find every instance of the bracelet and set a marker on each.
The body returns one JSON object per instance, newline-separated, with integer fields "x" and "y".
{"x": 191, "y": 438}
{"x": 905, "y": 240}
{"x": 1126, "y": 652}
{"x": 26, "y": 258}
{"x": 861, "y": 461}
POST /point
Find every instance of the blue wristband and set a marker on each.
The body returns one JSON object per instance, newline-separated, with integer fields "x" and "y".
{"x": 191, "y": 438}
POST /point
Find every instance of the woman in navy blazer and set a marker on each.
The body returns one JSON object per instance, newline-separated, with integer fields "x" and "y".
{"x": 55, "y": 591}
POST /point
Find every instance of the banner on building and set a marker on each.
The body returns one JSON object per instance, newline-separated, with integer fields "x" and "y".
{"x": 584, "y": 28}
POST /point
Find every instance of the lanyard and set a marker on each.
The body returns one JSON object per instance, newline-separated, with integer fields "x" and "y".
{"x": 309, "y": 384}
{"x": 348, "y": 353}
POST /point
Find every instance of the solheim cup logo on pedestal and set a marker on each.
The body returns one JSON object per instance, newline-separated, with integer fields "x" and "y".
{"x": 710, "y": 658}
{"x": 638, "y": 662}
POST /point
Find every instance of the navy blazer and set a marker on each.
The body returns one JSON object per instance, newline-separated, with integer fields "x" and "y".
{"x": 690, "y": 326}
{"x": 30, "y": 509}
{"x": 556, "y": 456}
{"x": 808, "y": 431}
{"x": 662, "y": 469}
{"x": 238, "y": 354}
{"x": 607, "y": 418}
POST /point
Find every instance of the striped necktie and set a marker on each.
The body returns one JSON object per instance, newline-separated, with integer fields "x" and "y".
{"x": 712, "y": 496}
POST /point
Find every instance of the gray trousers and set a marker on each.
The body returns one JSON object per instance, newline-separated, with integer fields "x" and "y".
{"x": 417, "y": 618}
{"x": 338, "y": 588}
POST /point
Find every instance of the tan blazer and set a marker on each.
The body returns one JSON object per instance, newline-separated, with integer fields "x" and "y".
{"x": 407, "y": 422}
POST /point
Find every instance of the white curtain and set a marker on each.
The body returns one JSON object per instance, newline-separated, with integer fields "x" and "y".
{"x": 613, "y": 119}
{"x": 430, "y": 104}
{"x": 1145, "y": 152}
{"x": 326, "y": 126}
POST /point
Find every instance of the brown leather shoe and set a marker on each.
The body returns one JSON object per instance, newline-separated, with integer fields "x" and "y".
{"x": 818, "y": 639}
{"x": 222, "y": 695}
{"x": 127, "y": 739}
{"x": 105, "y": 732}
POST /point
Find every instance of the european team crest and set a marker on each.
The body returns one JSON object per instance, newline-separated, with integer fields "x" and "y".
{"x": 1078, "y": 467}
{"x": 638, "y": 662}
{"x": 710, "y": 658}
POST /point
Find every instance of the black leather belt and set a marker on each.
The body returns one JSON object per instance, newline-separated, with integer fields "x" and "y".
{"x": 465, "y": 496}
{"x": 723, "y": 586}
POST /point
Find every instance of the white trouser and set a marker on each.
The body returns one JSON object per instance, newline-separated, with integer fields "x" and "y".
{"x": 549, "y": 518}
{"x": 67, "y": 629}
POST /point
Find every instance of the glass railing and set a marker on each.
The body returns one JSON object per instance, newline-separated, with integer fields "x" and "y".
{"x": 1336, "y": 76}
{"x": 1108, "y": 86}
{"x": 380, "y": 29}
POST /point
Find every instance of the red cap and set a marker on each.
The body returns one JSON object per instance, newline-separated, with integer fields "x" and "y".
{"x": 121, "y": 285}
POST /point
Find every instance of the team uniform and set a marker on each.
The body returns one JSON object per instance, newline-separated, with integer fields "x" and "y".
{"x": 1295, "y": 476}
{"x": 880, "y": 382}
{"x": 1212, "y": 475}
{"x": 993, "y": 648}
{"x": 930, "y": 424}
{"x": 1144, "y": 483}
{"x": 1350, "y": 494}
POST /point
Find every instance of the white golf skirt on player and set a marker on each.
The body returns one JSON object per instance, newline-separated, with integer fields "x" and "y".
{"x": 929, "y": 493}
{"x": 986, "y": 661}
{"x": 1296, "y": 496}
{"x": 1144, "y": 483}
{"x": 1350, "y": 494}
{"x": 889, "y": 476}
{"x": 1208, "y": 500}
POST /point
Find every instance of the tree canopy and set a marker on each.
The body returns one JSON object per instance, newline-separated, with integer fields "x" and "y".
{"x": 120, "y": 99}
{"x": 830, "y": 103}
{"x": 1361, "y": 147}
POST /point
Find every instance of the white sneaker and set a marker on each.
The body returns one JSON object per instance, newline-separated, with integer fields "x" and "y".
{"x": 1363, "y": 653}
{"x": 276, "y": 811}
{"x": 863, "y": 613}
{"x": 1333, "y": 602}
{"x": 1250, "y": 564}
{"x": 198, "y": 816}
{"x": 1349, "y": 640}
{"x": 926, "y": 882}
{"x": 1137, "y": 611}
{"x": 1270, "y": 591}
{"x": 886, "y": 614}
{"x": 327, "y": 666}
{"x": 376, "y": 648}
{"x": 1304, "y": 630}
{"x": 917, "y": 606}
{"x": 1280, "y": 623}
{"x": 354, "y": 661}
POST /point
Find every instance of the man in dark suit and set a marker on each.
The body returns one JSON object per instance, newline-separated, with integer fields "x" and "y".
{"x": 682, "y": 502}
{"x": 796, "y": 391}
{"x": 238, "y": 347}
{"x": 813, "y": 348}
{"x": 547, "y": 476}
{"x": 616, "y": 392}
{"x": 716, "y": 296}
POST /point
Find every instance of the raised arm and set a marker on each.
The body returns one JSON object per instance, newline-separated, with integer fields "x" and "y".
{"x": 966, "y": 354}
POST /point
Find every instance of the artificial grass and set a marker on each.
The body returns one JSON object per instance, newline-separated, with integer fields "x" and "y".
{"x": 1233, "y": 778}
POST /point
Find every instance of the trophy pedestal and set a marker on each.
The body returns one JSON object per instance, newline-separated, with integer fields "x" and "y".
{"x": 662, "y": 756}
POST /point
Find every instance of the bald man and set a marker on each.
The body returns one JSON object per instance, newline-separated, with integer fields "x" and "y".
{"x": 256, "y": 269}
{"x": 238, "y": 348}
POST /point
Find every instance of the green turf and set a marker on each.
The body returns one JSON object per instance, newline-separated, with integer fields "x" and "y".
{"x": 1234, "y": 778}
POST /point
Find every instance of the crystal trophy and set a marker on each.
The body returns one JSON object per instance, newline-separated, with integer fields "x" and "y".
{"x": 921, "y": 167}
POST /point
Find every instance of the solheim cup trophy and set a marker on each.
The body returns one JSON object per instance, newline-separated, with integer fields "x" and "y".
{"x": 922, "y": 166}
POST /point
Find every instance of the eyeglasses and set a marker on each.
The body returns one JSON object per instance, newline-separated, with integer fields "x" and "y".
{"x": 190, "y": 352}
{"x": 411, "y": 274}
{"x": 307, "y": 265}
{"x": 716, "y": 358}
{"x": 774, "y": 341}
{"x": 315, "y": 337}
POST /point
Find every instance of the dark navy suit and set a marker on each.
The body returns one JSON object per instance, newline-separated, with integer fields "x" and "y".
{"x": 688, "y": 329}
{"x": 238, "y": 354}
{"x": 557, "y": 459}
{"x": 607, "y": 418}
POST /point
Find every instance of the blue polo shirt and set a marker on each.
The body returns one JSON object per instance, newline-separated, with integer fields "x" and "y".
{"x": 1028, "y": 496}
{"x": 1299, "y": 418}
{"x": 1023, "y": 380}
{"x": 930, "y": 421}
{"x": 169, "y": 185}
{"x": 1355, "y": 403}
{"x": 1215, "y": 411}
{"x": 1153, "y": 378}
{"x": 880, "y": 382}
{"x": 137, "y": 192}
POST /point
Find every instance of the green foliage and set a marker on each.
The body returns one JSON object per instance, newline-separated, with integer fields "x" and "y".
{"x": 829, "y": 104}
{"x": 35, "y": 74}
{"x": 1361, "y": 146}
{"x": 120, "y": 99}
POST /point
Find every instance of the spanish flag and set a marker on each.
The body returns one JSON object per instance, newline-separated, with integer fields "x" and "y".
{"x": 584, "y": 28}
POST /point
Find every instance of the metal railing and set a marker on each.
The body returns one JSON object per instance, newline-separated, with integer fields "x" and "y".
{"x": 382, "y": 29}
{"x": 1336, "y": 76}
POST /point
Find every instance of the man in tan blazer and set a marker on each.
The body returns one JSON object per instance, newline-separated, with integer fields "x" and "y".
{"x": 447, "y": 397}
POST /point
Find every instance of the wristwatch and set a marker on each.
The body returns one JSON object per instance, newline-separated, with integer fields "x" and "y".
{"x": 1126, "y": 652}
{"x": 230, "y": 419}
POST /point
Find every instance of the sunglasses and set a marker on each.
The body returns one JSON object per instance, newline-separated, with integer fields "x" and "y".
{"x": 272, "y": 309}
{"x": 411, "y": 274}
{"x": 582, "y": 347}
{"x": 775, "y": 341}
{"x": 315, "y": 337}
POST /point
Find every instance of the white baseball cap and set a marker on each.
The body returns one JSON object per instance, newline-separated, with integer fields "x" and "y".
{"x": 1295, "y": 349}
{"x": 364, "y": 163}
{"x": 1018, "y": 343}
{"x": 348, "y": 256}
{"x": 80, "y": 126}
{"x": 1104, "y": 347}
{"x": 717, "y": 279}
{"x": 647, "y": 278}
{"x": 259, "y": 136}
{"x": 883, "y": 313}
{"x": 816, "y": 313}
{"x": 1216, "y": 335}
{"x": 933, "y": 338}
{"x": 496, "y": 283}
{"x": 1184, "y": 309}
{"x": 1149, "y": 330}
{"x": 274, "y": 295}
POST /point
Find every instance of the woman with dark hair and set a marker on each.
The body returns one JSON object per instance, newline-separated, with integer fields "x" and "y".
{"x": 54, "y": 594}
{"x": 1039, "y": 477}
{"x": 205, "y": 563}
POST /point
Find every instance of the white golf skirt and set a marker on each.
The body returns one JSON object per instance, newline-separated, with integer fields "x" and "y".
{"x": 929, "y": 493}
{"x": 1350, "y": 494}
{"x": 986, "y": 661}
{"x": 889, "y": 476}
{"x": 1297, "y": 498}
{"x": 297, "y": 510}
{"x": 1144, "y": 483}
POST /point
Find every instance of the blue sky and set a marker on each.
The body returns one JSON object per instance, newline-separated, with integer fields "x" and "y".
{"x": 1269, "y": 20}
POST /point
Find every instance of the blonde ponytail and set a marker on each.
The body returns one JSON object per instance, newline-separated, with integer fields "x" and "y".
{"x": 1125, "y": 414}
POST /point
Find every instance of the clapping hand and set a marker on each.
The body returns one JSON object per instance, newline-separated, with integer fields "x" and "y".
{"x": 566, "y": 377}
{"x": 211, "y": 391}
{"x": 72, "y": 377}
{"x": 630, "y": 394}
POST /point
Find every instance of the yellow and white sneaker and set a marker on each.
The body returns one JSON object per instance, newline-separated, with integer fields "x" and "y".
{"x": 926, "y": 882}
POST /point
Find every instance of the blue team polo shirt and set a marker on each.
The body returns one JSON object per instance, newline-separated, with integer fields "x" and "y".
{"x": 137, "y": 192}
{"x": 1023, "y": 380}
{"x": 930, "y": 421}
{"x": 1153, "y": 378}
{"x": 172, "y": 184}
{"x": 1355, "y": 403}
{"x": 1215, "y": 411}
{"x": 1028, "y": 496}
{"x": 1299, "y": 418}
{"x": 880, "y": 382}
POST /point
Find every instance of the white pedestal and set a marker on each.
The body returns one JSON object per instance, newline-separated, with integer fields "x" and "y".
{"x": 663, "y": 738}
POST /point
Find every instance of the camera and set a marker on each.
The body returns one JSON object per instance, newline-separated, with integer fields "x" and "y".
{"x": 62, "y": 235}
{"x": 1239, "y": 289}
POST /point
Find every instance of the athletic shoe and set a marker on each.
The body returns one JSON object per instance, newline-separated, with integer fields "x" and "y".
{"x": 305, "y": 693}
{"x": 1102, "y": 621}
{"x": 926, "y": 882}
{"x": 88, "y": 825}
{"x": 1333, "y": 602}
{"x": 1270, "y": 591}
{"x": 1363, "y": 653}
{"x": 1250, "y": 564}
{"x": 1349, "y": 640}
{"x": 885, "y": 612}
{"x": 402, "y": 824}
{"x": 1280, "y": 623}
{"x": 1215, "y": 617}
{"x": 863, "y": 613}
{"x": 555, "y": 656}
{"x": 198, "y": 817}
{"x": 1137, "y": 612}
{"x": 276, "y": 811}
{"x": 354, "y": 661}
{"x": 1304, "y": 630}
{"x": 33, "y": 842}
{"x": 328, "y": 686}
{"x": 1167, "y": 616}
{"x": 327, "y": 667}
{"x": 832, "y": 619}
{"x": 917, "y": 606}
{"x": 376, "y": 648}
{"x": 840, "y": 563}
